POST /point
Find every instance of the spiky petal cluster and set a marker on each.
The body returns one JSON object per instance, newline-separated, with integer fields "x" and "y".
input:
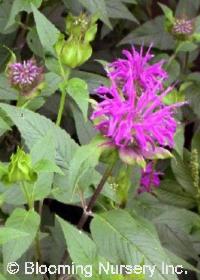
{"x": 149, "y": 179}
{"x": 183, "y": 26}
{"x": 25, "y": 75}
{"x": 135, "y": 68}
{"x": 133, "y": 115}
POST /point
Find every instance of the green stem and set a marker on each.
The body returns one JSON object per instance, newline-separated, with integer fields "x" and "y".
{"x": 38, "y": 249}
{"x": 186, "y": 62}
{"x": 61, "y": 107}
{"x": 30, "y": 202}
{"x": 27, "y": 196}
{"x": 65, "y": 76}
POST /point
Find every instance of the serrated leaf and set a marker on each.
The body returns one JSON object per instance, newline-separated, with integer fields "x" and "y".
{"x": 34, "y": 43}
{"x": 5, "y": 8}
{"x": 8, "y": 234}
{"x": 85, "y": 158}
{"x": 93, "y": 80}
{"x": 6, "y": 92}
{"x": 179, "y": 261}
{"x": 34, "y": 127}
{"x": 171, "y": 192}
{"x": 182, "y": 174}
{"x": 117, "y": 9}
{"x": 4, "y": 126}
{"x": 26, "y": 221}
{"x": 85, "y": 130}
{"x": 47, "y": 166}
{"x": 82, "y": 249}
{"x": 186, "y": 46}
{"x": 78, "y": 90}
{"x": 187, "y": 7}
{"x": 151, "y": 32}
{"x": 39, "y": 150}
{"x": 130, "y": 241}
{"x": 19, "y": 6}
{"x": 46, "y": 30}
{"x": 182, "y": 219}
{"x": 167, "y": 11}
{"x": 52, "y": 82}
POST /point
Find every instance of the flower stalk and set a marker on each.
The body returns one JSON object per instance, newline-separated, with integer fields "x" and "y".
{"x": 89, "y": 207}
{"x": 27, "y": 196}
{"x": 65, "y": 76}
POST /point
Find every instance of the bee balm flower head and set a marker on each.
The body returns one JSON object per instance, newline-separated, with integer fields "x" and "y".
{"x": 25, "y": 76}
{"x": 132, "y": 115}
{"x": 183, "y": 26}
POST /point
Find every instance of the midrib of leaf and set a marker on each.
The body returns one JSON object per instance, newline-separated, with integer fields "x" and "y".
{"x": 20, "y": 227}
{"x": 133, "y": 245}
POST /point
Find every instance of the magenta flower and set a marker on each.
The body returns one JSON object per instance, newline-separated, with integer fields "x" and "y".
{"x": 132, "y": 115}
{"x": 150, "y": 178}
{"x": 25, "y": 75}
{"x": 135, "y": 68}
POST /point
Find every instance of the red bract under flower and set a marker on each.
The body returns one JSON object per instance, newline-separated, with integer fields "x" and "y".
{"x": 133, "y": 116}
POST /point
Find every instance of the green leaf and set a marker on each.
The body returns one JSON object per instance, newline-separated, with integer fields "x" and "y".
{"x": 93, "y": 80}
{"x": 6, "y": 92}
{"x": 171, "y": 192}
{"x": 179, "y": 261}
{"x": 27, "y": 222}
{"x": 39, "y": 150}
{"x": 52, "y": 82}
{"x": 19, "y": 6}
{"x": 5, "y": 8}
{"x": 34, "y": 43}
{"x": 117, "y": 9}
{"x": 85, "y": 158}
{"x": 47, "y": 166}
{"x": 42, "y": 187}
{"x": 182, "y": 174}
{"x": 122, "y": 239}
{"x": 85, "y": 130}
{"x": 168, "y": 12}
{"x": 97, "y": 7}
{"x": 187, "y": 7}
{"x": 7, "y": 234}
{"x": 151, "y": 31}
{"x": 34, "y": 127}
{"x": 181, "y": 219}
{"x": 179, "y": 141}
{"x": 177, "y": 241}
{"x": 186, "y": 46}
{"x": 81, "y": 248}
{"x": 4, "y": 126}
{"x": 47, "y": 32}
{"x": 78, "y": 90}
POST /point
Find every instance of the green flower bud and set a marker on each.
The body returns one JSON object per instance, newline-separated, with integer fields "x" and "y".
{"x": 20, "y": 168}
{"x": 59, "y": 45}
{"x": 90, "y": 34}
{"x": 75, "y": 53}
{"x": 78, "y": 26}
